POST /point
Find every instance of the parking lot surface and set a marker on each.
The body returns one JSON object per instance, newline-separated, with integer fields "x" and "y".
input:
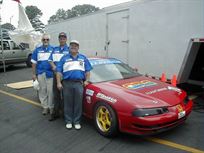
{"x": 24, "y": 129}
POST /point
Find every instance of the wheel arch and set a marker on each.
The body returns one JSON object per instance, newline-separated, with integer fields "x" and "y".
{"x": 103, "y": 101}
{"x": 28, "y": 60}
{"x": 29, "y": 54}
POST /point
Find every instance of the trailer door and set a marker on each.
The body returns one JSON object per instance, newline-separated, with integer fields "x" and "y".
{"x": 117, "y": 35}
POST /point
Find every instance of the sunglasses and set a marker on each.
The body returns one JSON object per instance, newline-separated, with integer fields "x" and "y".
{"x": 45, "y": 39}
{"x": 62, "y": 38}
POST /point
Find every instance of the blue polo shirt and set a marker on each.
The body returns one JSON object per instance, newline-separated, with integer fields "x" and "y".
{"x": 58, "y": 53}
{"x": 74, "y": 68}
{"x": 40, "y": 57}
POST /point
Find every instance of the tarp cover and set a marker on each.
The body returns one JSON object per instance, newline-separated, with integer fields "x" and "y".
{"x": 25, "y": 33}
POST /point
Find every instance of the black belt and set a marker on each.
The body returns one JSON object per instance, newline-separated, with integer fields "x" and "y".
{"x": 74, "y": 80}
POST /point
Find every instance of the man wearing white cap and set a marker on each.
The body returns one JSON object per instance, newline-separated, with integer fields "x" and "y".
{"x": 73, "y": 71}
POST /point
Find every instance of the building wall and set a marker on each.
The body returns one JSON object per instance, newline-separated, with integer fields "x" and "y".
{"x": 88, "y": 30}
{"x": 157, "y": 33}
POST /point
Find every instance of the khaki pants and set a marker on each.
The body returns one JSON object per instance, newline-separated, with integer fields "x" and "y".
{"x": 45, "y": 91}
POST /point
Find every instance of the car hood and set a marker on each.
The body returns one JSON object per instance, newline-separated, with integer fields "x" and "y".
{"x": 142, "y": 92}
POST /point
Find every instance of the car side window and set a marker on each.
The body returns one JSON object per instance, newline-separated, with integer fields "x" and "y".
{"x": 14, "y": 46}
{"x": 5, "y": 45}
{"x": 25, "y": 45}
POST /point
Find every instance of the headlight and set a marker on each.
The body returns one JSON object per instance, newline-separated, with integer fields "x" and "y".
{"x": 149, "y": 111}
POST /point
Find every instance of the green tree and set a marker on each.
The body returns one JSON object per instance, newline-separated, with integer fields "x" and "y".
{"x": 34, "y": 14}
{"x": 60, "y": 15}
{"x": 83, "y": 9}
{"x": 77, "y": 10}
{"x": 8, "y": 26}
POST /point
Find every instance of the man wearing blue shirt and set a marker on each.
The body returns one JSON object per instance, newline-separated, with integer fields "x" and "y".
{"x": 74, "y": 71}
{"x": 54, "y": 59}
{"x": 42, "y": 71}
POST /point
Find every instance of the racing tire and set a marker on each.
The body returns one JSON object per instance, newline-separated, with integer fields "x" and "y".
{"x": 105, "y": 120}
{"x": 28, "y": 62}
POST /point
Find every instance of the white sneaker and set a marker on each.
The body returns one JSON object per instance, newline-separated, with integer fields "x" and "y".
{"x": 77, "y": 126}
{"x": 68, "y": 125}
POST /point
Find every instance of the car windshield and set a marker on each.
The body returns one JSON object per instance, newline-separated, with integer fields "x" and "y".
{"x": 110, "y": 72}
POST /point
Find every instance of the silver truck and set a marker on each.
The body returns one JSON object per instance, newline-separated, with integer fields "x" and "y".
{"x": 14, "y": 54}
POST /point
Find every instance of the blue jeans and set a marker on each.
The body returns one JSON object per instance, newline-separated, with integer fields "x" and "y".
{"x": 73, "y": 97}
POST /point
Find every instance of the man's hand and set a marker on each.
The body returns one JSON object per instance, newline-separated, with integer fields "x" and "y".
{"x": 87, "y": 79}
{"x": 59, "y": 86}
{"x": 34, "y": 77}
{"x": 86, "y": 83}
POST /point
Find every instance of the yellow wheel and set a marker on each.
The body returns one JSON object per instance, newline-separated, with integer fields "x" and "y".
{"x": 105, "y": 119}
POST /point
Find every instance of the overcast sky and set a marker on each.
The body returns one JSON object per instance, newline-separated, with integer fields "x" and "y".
{"x": 9, "y": 8}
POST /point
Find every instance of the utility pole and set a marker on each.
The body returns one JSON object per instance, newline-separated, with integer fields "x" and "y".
{"x": 1, "y": 33}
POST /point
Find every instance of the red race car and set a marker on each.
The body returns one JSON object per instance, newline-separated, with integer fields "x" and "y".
{"x": 120, "y": 99}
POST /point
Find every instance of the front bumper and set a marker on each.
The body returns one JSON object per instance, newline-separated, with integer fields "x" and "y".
{"x": 153, "y": 124}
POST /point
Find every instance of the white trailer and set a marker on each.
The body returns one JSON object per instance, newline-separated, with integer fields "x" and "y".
{"x": 151, "y": 35}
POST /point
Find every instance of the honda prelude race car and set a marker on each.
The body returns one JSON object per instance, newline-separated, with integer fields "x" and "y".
{"x": 120, "y": 99}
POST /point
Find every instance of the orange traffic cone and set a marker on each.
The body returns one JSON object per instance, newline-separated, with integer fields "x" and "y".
{"x": 174, "y": 81}
{"x": 163, "y": 77}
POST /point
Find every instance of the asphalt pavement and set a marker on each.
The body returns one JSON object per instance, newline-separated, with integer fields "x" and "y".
{"x": 23, "y": 129}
